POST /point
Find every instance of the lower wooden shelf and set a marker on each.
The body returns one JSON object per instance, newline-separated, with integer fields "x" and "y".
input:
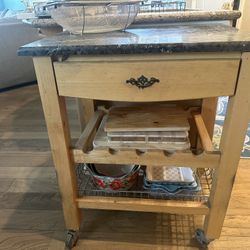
{"x": 143, "y": 205}
{"x": 139, "y": 199}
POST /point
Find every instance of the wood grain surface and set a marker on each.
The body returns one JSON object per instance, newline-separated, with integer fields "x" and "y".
{"x": 155, "y": 118}
{"x": 78, "y": 79}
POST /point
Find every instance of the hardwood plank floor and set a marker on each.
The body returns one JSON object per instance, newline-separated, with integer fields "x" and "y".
{"x": 24, "y": 240}
{"x": 30, "y": 209}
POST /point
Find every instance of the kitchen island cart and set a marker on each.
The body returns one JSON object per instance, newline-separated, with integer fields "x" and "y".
{"x": 189, "y": 64}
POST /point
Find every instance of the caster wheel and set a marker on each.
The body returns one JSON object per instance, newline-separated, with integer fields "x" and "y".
{"x": 202, "y": 239}
{"x": 71, "y": 239}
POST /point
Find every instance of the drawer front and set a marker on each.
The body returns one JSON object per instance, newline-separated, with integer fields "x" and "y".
{"x": 147, "y": 81}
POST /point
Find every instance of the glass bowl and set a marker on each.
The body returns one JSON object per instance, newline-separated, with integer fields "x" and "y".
{"x": 80, "y": 17}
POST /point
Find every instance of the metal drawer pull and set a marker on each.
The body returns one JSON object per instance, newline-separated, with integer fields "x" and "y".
{"x": 142, "y": 82}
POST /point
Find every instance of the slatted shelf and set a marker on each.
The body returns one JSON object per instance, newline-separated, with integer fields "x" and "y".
{"x": 83, "y": 151}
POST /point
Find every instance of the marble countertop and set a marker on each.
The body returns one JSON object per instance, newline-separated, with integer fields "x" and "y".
{"x": 172, "y": 38}
{"x": 157, "y": 17}
{"x": 185, "y": 16}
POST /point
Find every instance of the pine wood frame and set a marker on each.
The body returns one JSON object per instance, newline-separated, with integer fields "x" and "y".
{"x": 235, "y": 127}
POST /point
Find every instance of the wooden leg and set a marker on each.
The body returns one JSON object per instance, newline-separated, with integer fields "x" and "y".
{"x": 233, "y": 135}
{"x": 85, "y": 111}
{"x": 59, "y": 135}
{"x": 208, "y": 113}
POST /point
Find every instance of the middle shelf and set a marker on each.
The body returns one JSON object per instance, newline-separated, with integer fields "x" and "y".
{"x": 204, "y": 157}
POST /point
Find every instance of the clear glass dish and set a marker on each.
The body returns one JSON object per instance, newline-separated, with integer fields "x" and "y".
{"x": 80, "y": 17}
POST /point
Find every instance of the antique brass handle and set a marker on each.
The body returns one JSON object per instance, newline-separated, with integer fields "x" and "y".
{"x": 142, "y": 82}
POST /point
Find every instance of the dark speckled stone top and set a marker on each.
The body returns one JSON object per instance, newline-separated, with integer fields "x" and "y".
{"x": 172, "y": 38}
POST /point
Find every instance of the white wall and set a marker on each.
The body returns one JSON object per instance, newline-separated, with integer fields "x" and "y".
{"x": 209, "y": 4}
{"x": 244, "y": 22}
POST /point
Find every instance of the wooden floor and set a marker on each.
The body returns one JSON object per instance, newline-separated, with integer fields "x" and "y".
{"x": 30, "y": 210}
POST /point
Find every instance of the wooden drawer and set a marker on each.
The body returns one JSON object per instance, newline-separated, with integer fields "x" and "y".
{"x": 177, "y": 79}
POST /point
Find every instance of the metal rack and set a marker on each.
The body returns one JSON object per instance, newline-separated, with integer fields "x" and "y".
{"x": 161, "y": 6}
{"x": 203, "y": 177}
